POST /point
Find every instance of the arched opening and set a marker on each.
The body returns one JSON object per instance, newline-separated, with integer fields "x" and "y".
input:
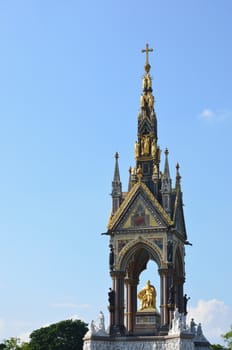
{"x": 140, "y": 263}
{"x": 150, "y": 273}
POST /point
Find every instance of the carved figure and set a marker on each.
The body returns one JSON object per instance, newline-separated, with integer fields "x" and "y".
{"x": 150, "y": 101}
{"x": 178, "y": 323}
{"x": 111, "y": 257}
{"x": 92, "y": 327}
{"x": 142, "y": 101}
{"x": 199, "y": 330}
{"x": 142, "y": 146}
{"x": 193, "y": 326}
{"x": 133, "y": 171}
{"x": 145, "y": 82}
{"x": 136, "y": 149}
{"x": 171, "y": 295}
{"x": 146, "y": 145}
{"x": 139, "y": 171}
{"x": 111, "y": 297}
{"x": 101, "y": 321}
{"x": 147, "y": 297}
{"x": 155, "y": 170}
{"x": 170, "y": 251}
{"x": 148, "y": 81}
{"x": 185, "y": 301}
{"x": 153, "y": 148}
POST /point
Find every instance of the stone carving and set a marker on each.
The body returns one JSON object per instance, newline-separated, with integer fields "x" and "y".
{"x": 199, "y": 336}
{"x": 178, "y": 323}
{"x": 171, "y": 295}
{"x": 193, "y": 327}
{"x": 170, "y": 251}
{"x": 136, "y": 149}
{"x": 111, "y": 258}
{"x": 185, "y": 301}
{"x": 179, "y": 326}
{"x": 111, "y": 297}
{"x": 164, "y": 344}
{"x": 145, "y": 143}
{"x": 97, "y": 328}
{"x": 153, "y": 148}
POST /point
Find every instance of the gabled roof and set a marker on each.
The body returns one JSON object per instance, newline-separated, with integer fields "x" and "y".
{"x": 139, "y": 209}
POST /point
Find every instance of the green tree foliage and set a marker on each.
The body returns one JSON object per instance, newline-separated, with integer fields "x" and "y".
{"x": 228, "y": 338}
{"x": 25, "y": 346}
{"x": 217, "y": 347}
{"x": 11, "y": 344}
{"x": 64, "y": 335}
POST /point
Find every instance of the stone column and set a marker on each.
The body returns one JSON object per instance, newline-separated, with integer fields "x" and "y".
{"x": 163, "y": 297}
{"x": 180, "y": 293}
{"x": 118, "y": 281}
{"x": 131, "y": 304}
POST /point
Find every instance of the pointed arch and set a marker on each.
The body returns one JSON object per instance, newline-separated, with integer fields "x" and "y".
{"x": 141, "y": 251}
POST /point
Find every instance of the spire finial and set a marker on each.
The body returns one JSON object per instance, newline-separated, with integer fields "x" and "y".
{"x": 166, "y": 165}
{"x": 178, "y": 177}
{"x": 147, "y": 65}
{"x": 116, "y": 169}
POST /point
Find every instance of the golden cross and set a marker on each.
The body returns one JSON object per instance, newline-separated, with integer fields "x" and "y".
{"x": 147, "y": 50}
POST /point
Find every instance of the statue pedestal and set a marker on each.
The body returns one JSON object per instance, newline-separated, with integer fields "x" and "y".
{"x": 147, "y": 323}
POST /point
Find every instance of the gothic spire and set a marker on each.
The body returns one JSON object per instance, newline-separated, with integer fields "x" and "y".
{"x": 166, "y": 187}
{"x": 178, "y": 177}
{"x": 116, "y": 169}
{"x": 166, "y": 165}
{"x": 116, "y": 187}
{"x": 147, "y": 152}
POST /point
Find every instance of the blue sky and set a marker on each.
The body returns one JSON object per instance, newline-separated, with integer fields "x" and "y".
{"x": 70, "y": 81}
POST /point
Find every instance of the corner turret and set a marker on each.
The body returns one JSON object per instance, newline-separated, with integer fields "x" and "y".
{"x": 116, "y": 187}
{"x": 166, "y": 187}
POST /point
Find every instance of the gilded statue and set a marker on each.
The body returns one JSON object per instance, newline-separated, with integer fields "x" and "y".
{"x": 144, "y": 82}
{"x": 155, "y": 170}
{"x": 142, "y": 101}
{"x": 145, "y": 145}
{"x": 136, "y": 149}
{"x": 153, "y": 148}
{"x": 148, "y": 81}
{"x": 150, "y": 101}
{"x": 139, "y": 171}
{"x": 147, "y": 297}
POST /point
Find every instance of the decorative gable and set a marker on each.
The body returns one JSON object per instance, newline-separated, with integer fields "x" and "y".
{"x": 140, "y": 209}
{"x": 140, "y": 215}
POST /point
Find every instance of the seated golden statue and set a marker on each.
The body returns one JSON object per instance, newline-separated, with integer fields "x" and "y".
{"x": 147, "y": 297}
